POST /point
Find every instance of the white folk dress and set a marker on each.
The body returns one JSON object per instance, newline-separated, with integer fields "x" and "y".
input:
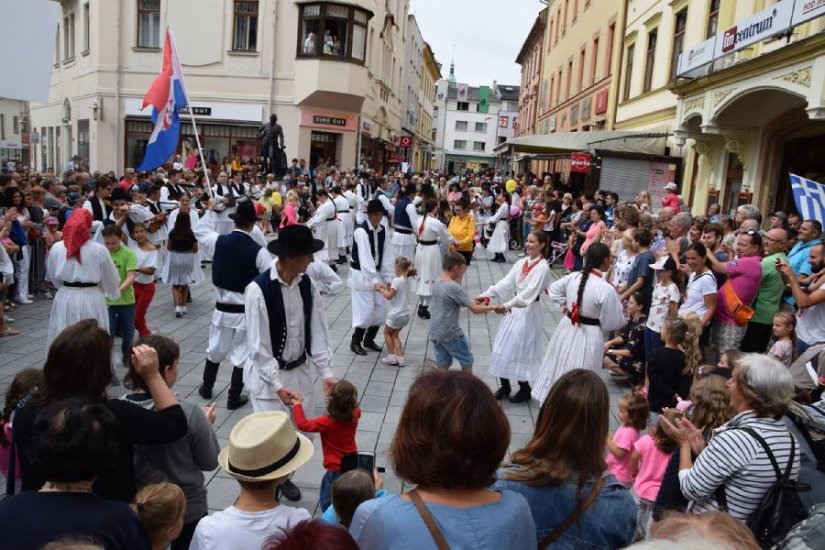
{"x": 578, "y": 346}
{"x": 197, "y": 272}
{"x": 520, "y": 340}
{"x": 345, "y": 225}
{"x": 72, "y": 304}
{"x": 428, "y": 257}
{"x": 324, "y": 224}
{"x": 500, "y": 241}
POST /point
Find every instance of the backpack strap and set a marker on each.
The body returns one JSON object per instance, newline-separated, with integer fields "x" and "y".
{"x": 429, "y": 521}
{"x": 572, "y": 518}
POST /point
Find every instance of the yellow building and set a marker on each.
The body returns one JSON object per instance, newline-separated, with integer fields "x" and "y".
{"x": 756, "y": 112}
{"x": 430, "y": 74}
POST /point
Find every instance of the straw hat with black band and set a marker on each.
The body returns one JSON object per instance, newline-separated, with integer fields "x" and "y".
{"x": 264, "y": 446}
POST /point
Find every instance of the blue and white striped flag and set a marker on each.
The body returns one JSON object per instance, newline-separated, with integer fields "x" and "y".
{"x": 809, "y": 197}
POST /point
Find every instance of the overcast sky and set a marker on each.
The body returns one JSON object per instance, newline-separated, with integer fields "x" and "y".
{"x": 487, "y": 36}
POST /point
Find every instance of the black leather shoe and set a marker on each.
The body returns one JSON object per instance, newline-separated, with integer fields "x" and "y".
{"x": 233, "y": 403}
{"x": 502, "y": 393}
{"x": 290, "y": 491}
{"x": 372, "y": 345}
{"x": 522, "y": 395}
{"x": 333, "y": 267}
{"x": 205, "y": 391}
{"x": 425, "y": 312}
{"x": 355, "y": 347}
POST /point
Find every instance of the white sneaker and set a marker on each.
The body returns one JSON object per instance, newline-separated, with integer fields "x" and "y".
{"x": 183, "y": 309}
{"x": 31, "y": 296}
{"x": 24, "y": 302}
{"x": 178, "y": 311}
{"x": 48, "y": 295}
{"x": 399, "y": 361}
{"x": 390, "y": 360}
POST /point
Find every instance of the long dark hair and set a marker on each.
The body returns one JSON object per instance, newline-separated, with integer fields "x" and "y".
{"x": 25, "y": 382}
{"x": 596, "y": 254}
{"x": 183, "y": 229}
{"x": 543, "y": 240}
{"x": 569, "y": 435}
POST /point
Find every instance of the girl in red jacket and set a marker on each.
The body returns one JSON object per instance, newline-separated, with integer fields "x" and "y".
{"x": 337, "y": 428}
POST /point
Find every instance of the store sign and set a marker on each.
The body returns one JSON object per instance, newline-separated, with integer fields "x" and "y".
{"x": 805, "y": 10}
{"x": 405, "y": 141}
{"x": 697, "y": 57}
{"x": 601, "y": 103}
{"x": 197, "y": 111}
{"x": 580, "y": 163}
{"x": 329, "y": 120}
{"x": 756, "y": 28}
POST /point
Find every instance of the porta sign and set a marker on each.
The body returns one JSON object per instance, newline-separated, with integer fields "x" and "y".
{"x": 580, "y": 163}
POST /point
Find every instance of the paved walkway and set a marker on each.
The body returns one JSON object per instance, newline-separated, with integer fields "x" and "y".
{"x": 383, "y": 389}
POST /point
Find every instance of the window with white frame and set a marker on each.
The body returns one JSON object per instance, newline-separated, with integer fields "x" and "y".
{"x": 461, "y": 125}
{"x": 245, "y": 26}
{"x": 459, "y": 144}
{"x": 148, "y": 21}
{"x": 481, "y": 126}
{"x": 68, "y": 35}
{"x": 479, "y": 146}
{"x": 86, "y": 40}
{"x": 336, "y": 31}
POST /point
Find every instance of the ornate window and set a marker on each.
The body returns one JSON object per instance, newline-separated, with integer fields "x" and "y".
{"x": 333, "y": 31}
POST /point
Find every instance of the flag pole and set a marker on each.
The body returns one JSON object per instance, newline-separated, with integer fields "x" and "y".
{"x": 200, "y": 150}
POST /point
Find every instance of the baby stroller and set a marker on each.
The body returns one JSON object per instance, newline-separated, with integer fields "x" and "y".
{"x": 557, "y": 252}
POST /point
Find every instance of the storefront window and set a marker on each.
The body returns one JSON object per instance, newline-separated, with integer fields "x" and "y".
{"x": 333, "y": 31}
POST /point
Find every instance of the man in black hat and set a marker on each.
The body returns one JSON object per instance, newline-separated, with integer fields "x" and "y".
{"x": 371, "y": 268}
{"x": 404, "y": 219}
{"x": 286, "y": 326}
{"x": 237, "y": 260}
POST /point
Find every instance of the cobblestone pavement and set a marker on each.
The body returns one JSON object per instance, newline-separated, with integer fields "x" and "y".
{"x": 382, "y": 389}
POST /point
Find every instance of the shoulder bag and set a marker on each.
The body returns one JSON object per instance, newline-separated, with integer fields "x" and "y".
{"x": 740, "y": 312}
{"x": 429, "y": 521}
{"x": 572, "y": 518}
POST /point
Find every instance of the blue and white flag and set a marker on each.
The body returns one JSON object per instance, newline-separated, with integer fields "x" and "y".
{"x": 166, "y": 96}
{"x": 809, "y": 197}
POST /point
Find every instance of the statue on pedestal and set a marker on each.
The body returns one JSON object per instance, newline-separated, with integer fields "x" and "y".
{"x": 272, "y": 148}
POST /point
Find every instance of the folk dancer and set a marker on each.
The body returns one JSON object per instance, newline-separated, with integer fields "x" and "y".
{"x": 287, "y": 330}
{"x": 345, "y": 227}
{"x": 324, "y": 223}
{"x": 431, "y": 232}
{"x": 371, "y": 267}
{"x": 238, "y": 259}
{"x": 405, "y": 218}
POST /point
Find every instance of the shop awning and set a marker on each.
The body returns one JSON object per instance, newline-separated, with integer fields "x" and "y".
{"x": 652, "y": 143}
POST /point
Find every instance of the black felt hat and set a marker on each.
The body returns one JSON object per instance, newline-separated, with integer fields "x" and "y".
{"x": 244, "y": 214}
{"x": 295, "y": 240}
{"x": 375, "y": 206}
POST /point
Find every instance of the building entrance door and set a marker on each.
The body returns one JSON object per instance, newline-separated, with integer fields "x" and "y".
{"x": 803, "y": 157}
{"x": 322, "y": 146}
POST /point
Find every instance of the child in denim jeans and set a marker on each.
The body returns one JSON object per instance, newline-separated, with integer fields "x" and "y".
{"x": 448, "y": 297}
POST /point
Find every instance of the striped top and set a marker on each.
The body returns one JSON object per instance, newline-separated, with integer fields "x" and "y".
{"x": 737, "y": 460}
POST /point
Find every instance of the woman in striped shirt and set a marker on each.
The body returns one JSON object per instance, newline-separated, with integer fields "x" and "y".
{"x": 733, "y": 460}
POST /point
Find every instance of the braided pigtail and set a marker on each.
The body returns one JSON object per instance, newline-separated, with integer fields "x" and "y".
{"x": 594, "y": 258}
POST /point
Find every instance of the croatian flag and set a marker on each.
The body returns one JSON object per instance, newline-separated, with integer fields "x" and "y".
{"x": 809, "y": 197}
{"x": 166, "y": 96}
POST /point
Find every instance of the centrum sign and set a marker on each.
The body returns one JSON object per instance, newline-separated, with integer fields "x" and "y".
{"x": 756, "y": 28}
{"x": 805, "y": 10}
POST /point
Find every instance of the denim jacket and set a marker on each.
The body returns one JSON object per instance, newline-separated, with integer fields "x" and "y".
{"x": 608, "y": 523}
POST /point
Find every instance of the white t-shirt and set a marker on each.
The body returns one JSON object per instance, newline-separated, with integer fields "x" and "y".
{"x": 400, "y": 303}
{"x": 660, "y": 305}
{"x": 146, "y": 259}
{"x": 697, "y": 289}
{"x": 234, "y": 529}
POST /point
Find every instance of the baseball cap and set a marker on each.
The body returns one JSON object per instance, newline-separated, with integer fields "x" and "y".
{"x": 73, "y": 197}
{"x": 665, "y": 262}
{"x": 671, "y": 187}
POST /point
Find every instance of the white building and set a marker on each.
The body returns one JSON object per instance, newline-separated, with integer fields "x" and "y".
{"x": 14, "y": 137}
{"x": 328, "y": 70}
{"x": 470, "y": 123}
{"x": 413, "y": 59}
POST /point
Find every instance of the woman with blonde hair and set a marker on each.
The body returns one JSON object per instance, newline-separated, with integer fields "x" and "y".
{"x": 160, "y": 508}
{"x": 290, "y": 216}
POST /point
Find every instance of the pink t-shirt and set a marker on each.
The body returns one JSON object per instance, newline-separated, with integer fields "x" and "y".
{"x": 624, "y": 438}
{"x": 744, "y": 274}
{"x": 592, "y": 235}
{"x": 652, "y": 467}
{"x": 671, "y": 200}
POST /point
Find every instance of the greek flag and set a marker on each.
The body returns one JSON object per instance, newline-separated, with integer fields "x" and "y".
{"x": 809, "y": 197}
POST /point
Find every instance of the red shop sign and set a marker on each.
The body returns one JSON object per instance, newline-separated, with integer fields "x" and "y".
{"x": 405, "y": 141}
{"x": 601, "y": 103}
{"x": 580, "y": 162}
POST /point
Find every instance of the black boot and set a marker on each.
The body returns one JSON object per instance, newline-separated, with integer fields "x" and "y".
{"x": 369, "y": 339}
{"x": 210, "y": 373}
{"x": 235, "y": 399}
{"x": 333, "y": 267}
{"x": 424, "y": 312}
{"x": 523, "y": 393}
{"x": 504, "y": 390}
{"x": 355, "y": 343}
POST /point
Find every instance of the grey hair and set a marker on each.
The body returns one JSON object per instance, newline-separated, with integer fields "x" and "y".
{"x": 684, "y": 219}
{"x": 750, "y": 212}
{"x": 766, "y": 384}
{"x": 749, "y": 225}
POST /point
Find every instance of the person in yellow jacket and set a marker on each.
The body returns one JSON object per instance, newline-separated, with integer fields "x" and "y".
{"x": 463, "y": 228}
